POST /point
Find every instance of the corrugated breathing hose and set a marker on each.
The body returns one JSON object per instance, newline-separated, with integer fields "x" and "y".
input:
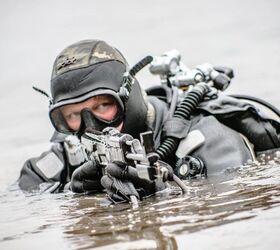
{"x": 186, "y": 107}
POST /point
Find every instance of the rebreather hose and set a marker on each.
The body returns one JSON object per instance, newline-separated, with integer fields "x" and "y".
{"x": 186, "y": 107}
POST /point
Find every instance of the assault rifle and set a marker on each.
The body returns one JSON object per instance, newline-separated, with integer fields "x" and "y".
{"x": 112, "y": 146}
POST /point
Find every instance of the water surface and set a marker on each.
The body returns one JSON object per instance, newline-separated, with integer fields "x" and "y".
{"x": 161, "y": 222}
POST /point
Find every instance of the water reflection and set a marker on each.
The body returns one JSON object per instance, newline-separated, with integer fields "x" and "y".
{"x": 236, "y": 195}
{"x": 118, "y": 227}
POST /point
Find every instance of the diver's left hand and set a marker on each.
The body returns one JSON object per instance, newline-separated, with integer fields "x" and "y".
{"x": 121, "y": 182}
{"x": 86, "y": 178}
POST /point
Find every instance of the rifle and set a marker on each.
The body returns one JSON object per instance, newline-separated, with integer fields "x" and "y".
{"x": 111, "y": 146}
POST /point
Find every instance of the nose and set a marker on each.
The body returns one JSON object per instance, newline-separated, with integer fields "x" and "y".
{"x": 89, "y": 121}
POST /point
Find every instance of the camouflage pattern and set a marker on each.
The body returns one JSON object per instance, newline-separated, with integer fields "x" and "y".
{"x": 83, "y": 54}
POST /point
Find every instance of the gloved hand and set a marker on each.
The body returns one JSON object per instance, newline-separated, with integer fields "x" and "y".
{"x": 122, "y": 181}
{"x": 86, "y": 178}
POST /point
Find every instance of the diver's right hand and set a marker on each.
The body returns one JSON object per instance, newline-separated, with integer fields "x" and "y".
{"x": 122, "y": 181}
{"x": 86, "y": 178}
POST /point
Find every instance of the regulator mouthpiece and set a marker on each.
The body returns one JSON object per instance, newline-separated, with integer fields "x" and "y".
{"x": 91, "y": 123}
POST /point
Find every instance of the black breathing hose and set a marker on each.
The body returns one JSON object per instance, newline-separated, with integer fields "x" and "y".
{"x": 187, "y": 106}
{"x": 140, "y": 65}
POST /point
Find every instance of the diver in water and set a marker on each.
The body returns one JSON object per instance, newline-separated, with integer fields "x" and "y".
{"x": 220, "y": 132}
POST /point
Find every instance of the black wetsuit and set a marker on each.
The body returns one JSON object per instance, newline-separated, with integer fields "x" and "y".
{"x": 223, "y": 133}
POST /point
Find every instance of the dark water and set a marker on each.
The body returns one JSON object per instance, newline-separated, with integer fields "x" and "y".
{"x": 237, "y": 210}
{"x": 166, "y": 221}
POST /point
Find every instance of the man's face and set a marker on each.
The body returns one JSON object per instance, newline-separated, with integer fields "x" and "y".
{"x": 102, "y": 106}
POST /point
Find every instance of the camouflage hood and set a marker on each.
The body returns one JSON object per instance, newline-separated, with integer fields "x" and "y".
{"x": 83, "y": 54}
{"x": 75, "y": 62}
{"x": 91, "y": 66}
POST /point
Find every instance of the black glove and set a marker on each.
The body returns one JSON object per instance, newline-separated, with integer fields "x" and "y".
{"x": 86, "y": 178}
{"x": 122, "y": 181}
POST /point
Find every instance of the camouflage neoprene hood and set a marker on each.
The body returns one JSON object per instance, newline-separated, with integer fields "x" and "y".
{"x": 77, "y": 60}
{"x": 83, "y": 54}
{"x": 91, "y": 67}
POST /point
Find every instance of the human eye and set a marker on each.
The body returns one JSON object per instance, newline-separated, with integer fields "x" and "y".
{"x": 103, "y": 105}
{"x": 73, "y": 116}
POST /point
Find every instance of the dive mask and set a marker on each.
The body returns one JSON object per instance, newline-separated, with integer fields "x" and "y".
{"x": 95, "y": 111}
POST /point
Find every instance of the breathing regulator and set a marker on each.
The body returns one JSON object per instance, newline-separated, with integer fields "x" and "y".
{"x": 173, "y": 72}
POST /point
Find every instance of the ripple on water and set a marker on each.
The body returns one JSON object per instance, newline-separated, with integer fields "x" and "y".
{"x": 85, "y": 222}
